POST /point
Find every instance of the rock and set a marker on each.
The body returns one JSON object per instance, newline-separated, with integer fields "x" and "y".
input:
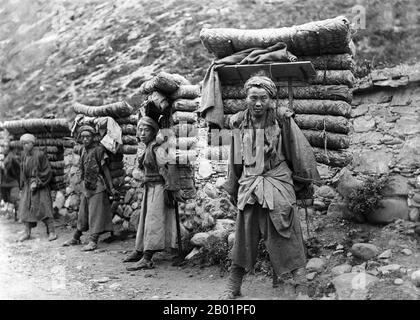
{"x": 386, "y": 254}
{"x": 325, "y": 192}
{"x": 389, "y": 268}
{"x": 219, "y": 182}
{"x": 126, "y": 225}
{"x": 231, "y": 239}
{"x": 134, "y": 205}
{"x": 63, "y": 212}
{"x": 397, "y": 186}
{"x": 415, "y": 278}
{"x": 364, "y": 251}
{"x": 336, "y": 209}
{"x": 353, "y": 286}
{"x": 372, "y": 161}
{"x": 192, "y": 254}
{"x": 398, "y": 281}
{"x": 205, "y": 169}
{"x": 417, "y": 230}
{"x": 117, "y": 220}
{"x": 390, "y": 210}
{"x": 341, "y": 269}
{"x": 101, "y": 280}
{"x": 359, "y": 268}
{"x": 409, "y": 156}
{"x": 311, "y": 276}
{"x": 315, "y": 264}
{"x": 200, "y": 239}
{"x": 137, "y": 174}
{"x": 319, "y": 205}
{"x": 414, "y": 214}
{"x": 59, "y": 200}
{"x": 129, "y": 195}
{"x": 72, "y": 202}
{"x": 347, "y": 183}
{"x": 363, "y": 124}
{"x": 407, "y": 252}
{"x": 127, "y": 212}
{"x": 225, "y": 225}
{"x": 211, "y": 191}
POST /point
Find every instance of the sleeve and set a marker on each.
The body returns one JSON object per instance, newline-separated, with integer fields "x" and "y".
{"x": 102, "y": 156}
{"x": 44, "y": 172}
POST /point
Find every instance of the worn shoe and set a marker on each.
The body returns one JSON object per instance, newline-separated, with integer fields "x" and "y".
{"x": 142, "y": 264}
{"x": 71, "y": 242}
{"x": 230, "y": 295}
{"x": 52, "y": 236}
{"x": 90, "y": 246}
{"x": 24, "y": 237}
{"x": 134, "y": 256}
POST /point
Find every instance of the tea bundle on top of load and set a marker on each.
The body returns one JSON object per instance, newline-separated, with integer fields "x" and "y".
{"x": 172, "y": 102}
{"x": 322, "y": 103}
{"x": 52, "y": 136}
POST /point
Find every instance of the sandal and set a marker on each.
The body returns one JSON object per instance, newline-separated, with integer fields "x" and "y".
{"x": 142, "y": 264}
{"x": 90, "y": 246}
{"x": 71, "y": 242}
{"x": 230, "y": 295}
{"x": 134, "y": 256}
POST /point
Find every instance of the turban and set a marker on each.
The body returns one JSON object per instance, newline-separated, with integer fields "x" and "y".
{"x": 262, "y": 82}
{"x": 28, "y": 137}
{"x": 87, "y": 128}
{"x": 148, "y": 122}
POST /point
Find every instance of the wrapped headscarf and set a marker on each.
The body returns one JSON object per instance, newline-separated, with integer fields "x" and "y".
{"x": 262, "y": 82}
{"x": 148, "y": 122}
{"x": 27, "y": 137}
{"x": 88, "y": 128}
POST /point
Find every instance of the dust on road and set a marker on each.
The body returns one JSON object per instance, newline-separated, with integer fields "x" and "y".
{"x": 38, "y": 269}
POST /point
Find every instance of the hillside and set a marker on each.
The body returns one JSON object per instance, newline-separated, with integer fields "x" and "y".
{"x": 53, "y": 53}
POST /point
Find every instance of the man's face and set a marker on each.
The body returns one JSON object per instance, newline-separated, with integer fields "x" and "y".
{"x": 28, "y": 146}
{"x": 258, "y": 101}
{"x": 145, "y": 133}
{"x": 86, "y": 138}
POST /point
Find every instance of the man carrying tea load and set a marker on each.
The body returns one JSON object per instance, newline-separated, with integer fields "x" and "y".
{"x": 35, "y": 176}
{"x": 95, "y": 208}
{"x": 157, "y": 223}
{"x": 9, "y": 176}
{"x": 269, "y": 159}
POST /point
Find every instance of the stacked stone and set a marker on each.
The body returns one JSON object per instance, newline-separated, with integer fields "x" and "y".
{"x": 52, "y": 136}
{"x": 321, "y": 105}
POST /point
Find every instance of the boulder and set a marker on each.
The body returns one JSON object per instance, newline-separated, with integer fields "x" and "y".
{"x": 415, "y": 278}
{"x": 364, "y": 251}
{"x": 390, "y": 210}
{"x": 353, "y": 286}
{"x": 410, "y": 153}
{"x": 347, "y": 183}
{"x": 389, "y": 268}
{"x": 59, "y": 200}
{"x": 210, "y": 191}
{"x": 341, "y": 269}
{"x": 200, "y": 239}
{"x": 326, "y": 192}
{"x": 315, "y": 264}
{"x": 397, "y": 186}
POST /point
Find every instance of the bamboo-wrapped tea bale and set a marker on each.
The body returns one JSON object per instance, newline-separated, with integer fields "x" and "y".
{"x": 186, "y": 117}
{"x": 189, "y": 105}
{"x": 186, "y": 92}
{"x": 116, "y": 110}
{"x": 334, "y": 124}
{"x": 334, "y": 141}
{"x": 334, "y": 158}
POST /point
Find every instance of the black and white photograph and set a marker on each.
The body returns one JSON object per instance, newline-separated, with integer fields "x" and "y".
{"x": 206, "y": 156}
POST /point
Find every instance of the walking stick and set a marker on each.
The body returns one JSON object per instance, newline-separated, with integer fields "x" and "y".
{"x": 178, "y": 228}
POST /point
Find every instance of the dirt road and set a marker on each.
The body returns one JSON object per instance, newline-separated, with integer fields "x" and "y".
{"x": 38, "y": 269}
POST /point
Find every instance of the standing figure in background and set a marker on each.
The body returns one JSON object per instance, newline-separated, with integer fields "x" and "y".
{"x": 35, "y": 176}
{"x": 263, "y": 186}
{"x": 157, "y": 223}
{"x": 9, "y": 177}
{"x": 95, "y": 208}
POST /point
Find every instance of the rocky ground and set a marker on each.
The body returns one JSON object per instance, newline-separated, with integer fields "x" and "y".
{"x": 347, "y": 261}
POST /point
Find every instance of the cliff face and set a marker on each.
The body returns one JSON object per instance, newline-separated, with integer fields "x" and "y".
{"x": 55, "y": 52}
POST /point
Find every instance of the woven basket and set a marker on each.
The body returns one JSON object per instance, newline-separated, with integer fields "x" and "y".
{"x": 313, "y": 38}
